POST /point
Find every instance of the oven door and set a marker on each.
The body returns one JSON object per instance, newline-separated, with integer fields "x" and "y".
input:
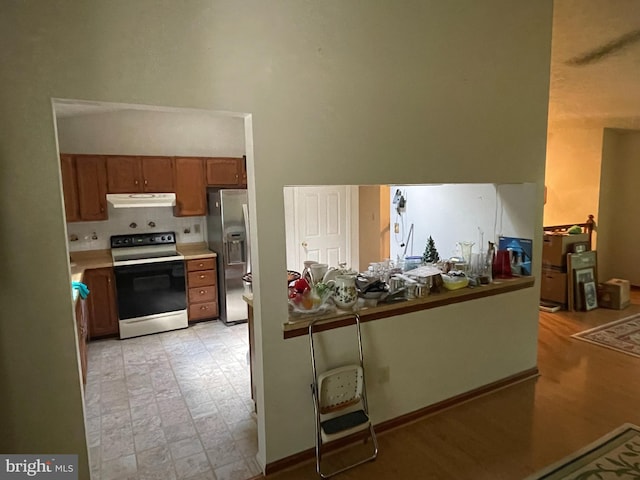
{"x": 150, "y": 289}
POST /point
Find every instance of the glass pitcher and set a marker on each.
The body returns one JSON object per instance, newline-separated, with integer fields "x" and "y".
{"x": 465, "y": 250}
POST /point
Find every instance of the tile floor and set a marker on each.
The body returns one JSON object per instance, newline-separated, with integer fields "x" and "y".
{"x": 174, "y": 405}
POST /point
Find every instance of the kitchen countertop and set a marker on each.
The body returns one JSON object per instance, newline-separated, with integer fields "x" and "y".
{"x": 195, "y": 250}
{"x": 88, "y": 259}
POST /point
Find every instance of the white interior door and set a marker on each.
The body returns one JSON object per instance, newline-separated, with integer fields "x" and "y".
{"x": 322, "y": 219}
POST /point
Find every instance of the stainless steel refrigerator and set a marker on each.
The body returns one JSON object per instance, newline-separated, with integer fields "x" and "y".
{"x": 227, "y": 233}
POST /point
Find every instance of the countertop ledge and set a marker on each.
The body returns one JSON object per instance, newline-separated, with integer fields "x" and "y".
{"x": 299, "y": 325}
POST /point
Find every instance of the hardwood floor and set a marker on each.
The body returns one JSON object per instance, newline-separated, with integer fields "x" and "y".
{"x": 583, "y": 392}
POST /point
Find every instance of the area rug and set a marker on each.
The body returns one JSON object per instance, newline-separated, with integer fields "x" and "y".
{"x": 622, "y": 335}
{"x": 616, "y": 455}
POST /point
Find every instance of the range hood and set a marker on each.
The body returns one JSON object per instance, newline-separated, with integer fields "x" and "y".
{"x": 131, "y": 200}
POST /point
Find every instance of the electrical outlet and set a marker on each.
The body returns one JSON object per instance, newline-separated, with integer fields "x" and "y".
{"x": 196, "y": 228}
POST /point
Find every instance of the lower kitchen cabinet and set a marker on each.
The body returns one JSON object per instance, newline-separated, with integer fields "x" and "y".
{"x": 102, "y": 308}
{"x": 202, "y": 289}
{"x": 83, "y": 335}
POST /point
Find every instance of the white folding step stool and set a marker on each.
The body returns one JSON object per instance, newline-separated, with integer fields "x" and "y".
{"x": 340, "y": 403}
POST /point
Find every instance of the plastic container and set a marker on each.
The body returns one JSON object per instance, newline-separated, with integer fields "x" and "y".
{"x": 412, "y": 262}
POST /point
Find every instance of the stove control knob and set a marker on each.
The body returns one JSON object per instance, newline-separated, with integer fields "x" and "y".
{"x": 163, "y": 238}
{"x": 169, "y": 238}
{"x": 152, "y": 239}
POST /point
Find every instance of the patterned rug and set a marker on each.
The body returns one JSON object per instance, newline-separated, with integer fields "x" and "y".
{"x": 622, "y": 335}
{"x": 616, "y": 455}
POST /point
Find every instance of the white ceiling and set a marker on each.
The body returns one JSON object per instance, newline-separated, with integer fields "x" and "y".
{"x": 604, "y": 88}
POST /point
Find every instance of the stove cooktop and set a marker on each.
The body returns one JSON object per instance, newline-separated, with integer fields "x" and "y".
{"x": 144, "y": 247}
{"x": 143, "y": 239}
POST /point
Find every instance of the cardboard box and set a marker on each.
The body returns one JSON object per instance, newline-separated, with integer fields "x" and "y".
{"x": 553, "y": 286}
{"x": 614, "y": 293}
{"x": 556, "y": 246}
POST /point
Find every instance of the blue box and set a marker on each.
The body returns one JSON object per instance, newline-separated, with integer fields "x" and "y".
{"x": 521, "y": 250}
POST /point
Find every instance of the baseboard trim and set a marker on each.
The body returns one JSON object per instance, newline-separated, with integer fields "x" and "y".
{"x": 309, "y": 454}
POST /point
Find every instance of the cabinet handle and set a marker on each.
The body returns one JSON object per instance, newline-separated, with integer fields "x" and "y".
{"x": 204, "y": 307}
{"x": 202, "y": 292}
{"x": 136, "y": 182}
{"x": 202, "y": 276}
{"x": 146, "y": 183}
{"x": 201, "y": 264}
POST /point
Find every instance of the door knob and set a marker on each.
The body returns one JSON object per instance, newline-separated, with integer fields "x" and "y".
{"x": 304, "y": 244}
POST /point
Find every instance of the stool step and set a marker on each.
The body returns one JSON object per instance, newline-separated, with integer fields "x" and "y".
{"x": 344, "y": 422}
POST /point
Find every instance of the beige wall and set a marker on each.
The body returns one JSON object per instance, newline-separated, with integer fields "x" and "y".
{"x": 573, "y": 165}
{"x": 340, "y": 93}
{"x": 373, "y": 229}
{"x": 618, "y": 253}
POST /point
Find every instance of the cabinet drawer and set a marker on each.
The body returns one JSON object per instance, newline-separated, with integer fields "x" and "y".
{"x": 203, "y": 294}
{"x": 201, "y": 278}
{"x": 203, "y": 310}
{"x": 201, "y": 264}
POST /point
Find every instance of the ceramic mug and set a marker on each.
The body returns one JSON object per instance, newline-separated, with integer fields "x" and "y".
{"x": 318, "y": 270}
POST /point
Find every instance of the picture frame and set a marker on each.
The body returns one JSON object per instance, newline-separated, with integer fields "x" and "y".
{"x": 580, "y": 247}
{"x": 582, "y": 276}
{"x": 590, "y": 295}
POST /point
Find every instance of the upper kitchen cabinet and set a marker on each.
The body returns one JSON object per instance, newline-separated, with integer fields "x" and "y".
{"x": 135, "y": 174}
{"x": 226, "y": 172}
{"x": 84, "y": 184}
{"x": 92, "y": 187}
{"x": 190, "y": 187}
{"x": 70, "y": 188}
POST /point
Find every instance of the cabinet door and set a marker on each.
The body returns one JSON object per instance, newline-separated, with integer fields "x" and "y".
{"x": 69, "y": 188}
{"x": 103, "y": 318}
{"x": 157, "y": 174}
{"x": 243, "y": 172}
{"x": 224, "y": 171}
{"x": 190, "y": 187}
{"x": 92, "y": 187}
{"x": 124, "y": 174}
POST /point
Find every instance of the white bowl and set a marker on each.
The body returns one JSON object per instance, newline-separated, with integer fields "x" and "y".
{"x": 454, "y": 283}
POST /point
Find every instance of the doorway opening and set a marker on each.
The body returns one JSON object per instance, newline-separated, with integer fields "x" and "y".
{"x": 183, "y": 396}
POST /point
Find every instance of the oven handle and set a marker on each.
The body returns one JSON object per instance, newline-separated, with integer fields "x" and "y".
{"x": 127, "y": 263}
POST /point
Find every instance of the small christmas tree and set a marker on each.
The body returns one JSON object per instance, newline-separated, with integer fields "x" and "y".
{"x": 430, "y": 254}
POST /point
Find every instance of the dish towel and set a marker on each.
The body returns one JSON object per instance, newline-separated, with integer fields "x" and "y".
{"x": 83, "y": 291}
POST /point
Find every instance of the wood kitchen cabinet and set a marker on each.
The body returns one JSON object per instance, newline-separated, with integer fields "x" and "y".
{"x": 202, "y": 289}
{"x": 136, "y": 174}
{"x": 226, "y": 172}
{"x": 190, "y": 187}
{"x": 84, "y": 184}
{"x": 83, "y": 335}
{"x": 102, "y": 308}
{"x": 70, "y": 188}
